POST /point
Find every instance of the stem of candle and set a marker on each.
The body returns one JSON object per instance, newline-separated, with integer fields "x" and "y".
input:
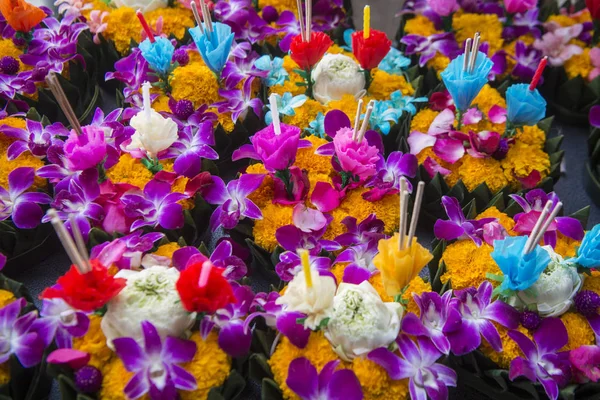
{"x": 204, "y": 274}
{"x": 275, "y": 114}
{"x": 401, "y": 217}
{"x": 145, "y": 26}
{"x": 367, "y": 22}
{"x": 146, "y": 99}
{"x": 538, "y": 73}
{"x": 357, "y": 119}
{"x": 304, "y": 258}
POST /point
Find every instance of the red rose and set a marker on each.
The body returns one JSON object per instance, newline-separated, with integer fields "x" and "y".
{"x": 594, "y": 7}
{"x": 86, "y": 292}
{"x": 369, "y": 52}
{"x": 308, "y": 54}
{"x": 214, "y": 295}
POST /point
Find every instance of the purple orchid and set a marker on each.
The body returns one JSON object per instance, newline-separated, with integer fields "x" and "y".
{"x": 62, "y": 322}
{"x": 256, "y": 29}
{"x": 132, "y": 70}
{"x": 306, "y": 232}
{"x": 135, "y": 245}
{"x": 77, "y": 197}
{"x": 20, "y": 335}
{"x": 234, "y": 338}
{"x": 418, "y": 363}
{"x": 10, "y": 85}
{"x": 288, "y": 24}
{"x": 533, "y": 205}
{"x": 239, "y": 101}
{"x": 542, "y": 363}
{"x": 478, "y": 312}
{"x": 237, "y": 69}
{"x": 330, "y": 384}
{"x": 192, "y": 146}
{"x": 523, "y": 24}
{"x": 527, "y": 59}
{"x": 184, "y": 114}
{"x": 440, "y": 136}
{"x": 387, "y": 179}
{"x": 368, "y": 230}
{"x": 234, "y": 12}
{"x": 458, "y": 227}
{"x": 290, "y": 264}
{"x": 18, "y": 203}
{"x": 429, "y": 46}
{"x": 438, "y": 317}
{"x": 35, "y": 138}
{"x": 232, "y": 200}
{"x": 585, "y": 361}
{"x": 58, "y": 172}
{"x": 156, "y": 206}
{"x": 360, "y": 256}
{"x": 234, "y": 267}
{"x": 155, "y": 365}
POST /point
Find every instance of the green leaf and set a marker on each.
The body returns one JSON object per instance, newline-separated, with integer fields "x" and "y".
{"x": 270, "y": 390}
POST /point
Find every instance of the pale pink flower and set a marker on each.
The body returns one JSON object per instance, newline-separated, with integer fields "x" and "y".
{"x": 96, "y": 23}
{"x": 72, "y": 7}
{"x": 555, "y": 43}
{"x": 595, "y": 60}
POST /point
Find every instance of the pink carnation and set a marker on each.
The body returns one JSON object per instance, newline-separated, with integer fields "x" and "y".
{"x": 357, "y": 158}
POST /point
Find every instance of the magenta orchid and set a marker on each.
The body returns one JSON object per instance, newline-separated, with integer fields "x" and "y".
{"x": 418, "y": 364}
{"x": 542, "y": 362}
{"x": 585, "y": 361}
{"x": 232, "y": 200}
{"x": 234, "y": 268}
{"x": 192, "y": 146}
{"x": 290, "y": 264}
{"x": 36, "y": 138}
{"x": 595, "y": 60}
{"x": 238, "y": 102}
{"x": 155, "y": 366}
{"x": 237, "y": 69}
{"x": 458, "y": 227}
{"x": 368, "y": 230}
{"x": 304, "y": 380}
{"x": 18, "y": 203}
{"x": 387, "y": 179}
{"x": 429, "y": 46}
{"x": 134, "y": 247}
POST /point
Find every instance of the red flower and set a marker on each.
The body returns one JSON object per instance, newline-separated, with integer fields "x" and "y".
{"x": 308, "y": 54}
{"x": 87, "y": 292}
{"x": 369, "y": 52}
{"x": 594, "y": 7}
{"x": 214, "y": 295}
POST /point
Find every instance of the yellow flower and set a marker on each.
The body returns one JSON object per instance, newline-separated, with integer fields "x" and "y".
{"x": 313, "y": 163}
{"x": 305, "y": 114}
{"x": 224, "y": 119}
{"x": 488, "y": 97}
{"x": 420, "y": 25}
{"x": 210, "y": 366}
{"x": 579, "y": 65}
{"x": 176, "y": 20}
{"x": 467, "y": 24}
{"x": 579, "y": 331}
{"x": 280, "y": 5}
{"x": 562, "y": 20}
{"x": 475, "y": 171}
{"x": 464, "y": 253}
{"x": 274, "y": 217}
{"x": 6, "y": 298}
{"x": 167, "y": 250}
{"x": 531, "y": 135}
{"x": 510, "y": 349}
{"x": 4, "y": 373}
{"x": 196, "y": 83}
{"x": 129, "y": 170}
{"x": 161, "y": 104}
{"x": 422, "y": 120}
{"x": 318, "y": 351}
{"x": 24, "y": 160}
{"x": 416, "y": 286}
{"x": 507, "y": 222}
{"x": 385, "y": 84}
{"x": 94, "y": 343}
{"x": 114, "y": 379}
{"x": 399, "y": 267}
{"x": 122, "y": 27}
{"x": 439, "y": 62}
{"x": 376, "y": 383}
{"x": 522, "y": 159}
{"x": 565, "y": 246}
{"x": 592, "y": 282}
{"x": 8, "y": 49}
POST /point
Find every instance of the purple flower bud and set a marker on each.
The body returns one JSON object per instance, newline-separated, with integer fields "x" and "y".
{"x": 270, "y": 14}
{"x": 88, "y": 379}
{"x": 9, "y": 65}
{"x": 587, "y": 302}
{"x": 183, "y": 109}
{"x": 181, "y": 56}
{"x": 530, "y": 320}
{"x": 19, "y": 41}
{"x": 39, "y": 74}
{"x": 502, "y": 150}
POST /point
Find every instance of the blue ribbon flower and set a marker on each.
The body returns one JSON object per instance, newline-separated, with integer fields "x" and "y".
{"x": 214, "y": 47}
{"x": 277, "y": 73}
{"x": 588, "y": 254}
{"x": 158, "y": 54}
{"x": 464, "y": 86}
{"x": 520, "y": 270}
{"x": 524, "y": 106}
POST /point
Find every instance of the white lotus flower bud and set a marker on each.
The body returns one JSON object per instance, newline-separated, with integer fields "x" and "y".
{"x": 336, "y": 75}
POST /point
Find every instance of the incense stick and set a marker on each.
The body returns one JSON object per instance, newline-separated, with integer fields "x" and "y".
{"x": 301, "y": 20}
{"x": 547, "y": 224}
{"x": 197, "y": 16}
{"x": 66, "y": 241}
{"x": 63, "y": 102}
{"x": 357, "y": 119}
{"x": 467, "y": 54}
{"x": 474, "y": 53}
{"x": 401, "y": 216}
{"x": 416, "y": 210}
{"x": 538, "y": 224}
{"x": 365, "y": 123}
{"x": 79, "y": 242}
{"x": 308, "y": 16}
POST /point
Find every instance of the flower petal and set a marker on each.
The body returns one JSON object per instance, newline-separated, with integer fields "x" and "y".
{"x": 130, "y": 353}
{"x": 344, "y": 385}
{"x": 178, "y": 350}
{"x": 325, "y": 197}
{"x": 396, "y": 367}
{"x": 234, "y": 340}
{"x": 551, "y": 335}
{"x": 287, "y": 324}
{"x": 303, "y": 379}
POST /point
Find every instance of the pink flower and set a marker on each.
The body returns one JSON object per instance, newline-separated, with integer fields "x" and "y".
{"x": 586, "y": 363}
{"x": 519, "y": 6}
{"x": 443, "y": 7}
{"x": 115, "y": 220}
{"x": 158, "y": 31}
{"x": 86, "y": 150}
{"x": 595, "y": 60}
{"x": 96, "y": 23}
{"x": 555, "y": 44}
{"x": 292, "y": 189}
{"x": 357, "y": 158}
{"x": 72, "y": 7}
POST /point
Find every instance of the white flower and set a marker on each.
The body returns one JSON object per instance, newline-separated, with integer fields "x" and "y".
{"x": 153, "y": 134}
{"x": 336, "y": 75}
{"x": 554, "y": 290}
{"x": 144, "y": 5}
{"x": 150, "y": 295}
{"x": 315, "y": 302}
{"x": 361, "y": 321}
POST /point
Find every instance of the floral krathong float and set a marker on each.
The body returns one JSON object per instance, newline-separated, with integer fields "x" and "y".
{"x": 518, "y": 35}
{"x": 135, "y": 319}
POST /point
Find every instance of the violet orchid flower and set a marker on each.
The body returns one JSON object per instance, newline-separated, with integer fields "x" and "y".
{"x": 478, "y": 314}
{"x": 19, "y": 335}
{"x": 387, "y": 179}
{"x": 234, "y": 12}
{"x": 132, "y": 70}
{"x": 368, "y": 230}
{"x": 523, "y": 24}
{"x": 527, "y": 59}
{"x": 438, "y": 317}
{"x": 135, "y": 245}
{"x": 155, "y": 366}
{"x": 585, "y": 361}
{"x": 184, "y": 114}
{"x": 458, "y": 227}
{"x": 237, "y": 69}
{"x": 10, "y": 85}
{"x": 234, "y": 338}
{"x": 304, "y": 380}
{"x": 306, "y": 232}
{"x": 62, "y": 322}
{"x": 256, "y": 30}
{"x": 533, "y": 205}
{"x": 156, "y": 206}
{"x": 288, "y": 24}
{"x": 232, "y": 200}
{"x": 77, "y": 197}
{"x": 442, "y": 137}
{"x": 190, "y": 148}
{"x": 57, "y": 171}
{"x": 428, "y": 46}
{"x": 360, "y": 256}
{"x": 418, "y": 364}
{"x": 234, "y": 267}
{"x": 543, "y": 362}
{"x": 36, "y": 138}
{"x": 290, "y": 264}
{"x": 18, "y": 203}
{"x": 238, "y": 102}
